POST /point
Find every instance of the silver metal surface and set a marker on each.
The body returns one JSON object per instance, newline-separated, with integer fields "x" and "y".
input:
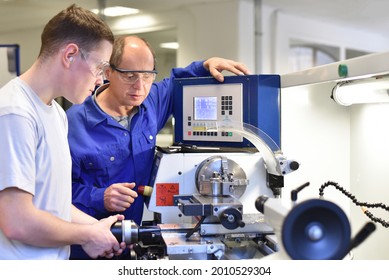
{"x": 129, "y": 231}
{"x": 254, "y": 224}
{"x": 227, "y": 247}
{"x": 194, "y": 248}
{"x": 218, "y": 175}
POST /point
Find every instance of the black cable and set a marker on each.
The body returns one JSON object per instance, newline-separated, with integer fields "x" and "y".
{"x": 196, "y": 228}
{"x": 358, "y": 203}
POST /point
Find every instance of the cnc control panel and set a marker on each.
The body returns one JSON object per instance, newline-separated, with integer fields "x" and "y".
{"x": 202, "y": 104}
{"x": 205, "y": 105}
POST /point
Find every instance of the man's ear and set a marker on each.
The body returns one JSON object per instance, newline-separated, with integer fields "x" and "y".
{"x": 107, "y": 72}
{"x": 69, "y": 53}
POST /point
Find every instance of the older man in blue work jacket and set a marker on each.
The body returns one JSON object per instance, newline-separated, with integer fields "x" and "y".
{"x": 112, "y": 135}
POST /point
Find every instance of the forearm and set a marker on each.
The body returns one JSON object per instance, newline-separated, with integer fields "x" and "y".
{"x": 96, "y": 239}
{"x": 43, "y": 229}
{"x": 80, "y": 217}
{"x": 38, "y": 228}
{"x": 50, "y": 231}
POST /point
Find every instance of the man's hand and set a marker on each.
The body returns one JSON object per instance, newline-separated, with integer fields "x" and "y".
{"x": 216, "y": 65}
{"x": 118, "y": 197}
{"x": 100, "y": 240}
{"x": 113, "y": 252}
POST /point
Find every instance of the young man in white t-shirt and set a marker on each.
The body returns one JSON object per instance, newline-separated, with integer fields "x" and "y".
{"x": 37, "y": 219}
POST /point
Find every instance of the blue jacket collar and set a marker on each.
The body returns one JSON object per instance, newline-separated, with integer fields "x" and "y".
{"x": 95, "y": 115}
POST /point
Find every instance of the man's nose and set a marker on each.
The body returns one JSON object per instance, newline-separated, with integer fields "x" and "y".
{"x": 138, "y": 82}
{"x": 99, "y": 80}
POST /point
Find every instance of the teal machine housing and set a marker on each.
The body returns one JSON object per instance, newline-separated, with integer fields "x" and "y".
{"x": 200, "y": 103}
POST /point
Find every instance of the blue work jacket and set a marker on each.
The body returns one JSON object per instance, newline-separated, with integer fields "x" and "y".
{"x": 104, "y": 152}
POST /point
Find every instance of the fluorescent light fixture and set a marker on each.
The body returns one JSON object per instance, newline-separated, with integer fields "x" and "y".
{"x": 117, "y": 11}
{"x": 372, "y": 90}
{"x": 170, "y": 45}
{"x": 134, "y": 24}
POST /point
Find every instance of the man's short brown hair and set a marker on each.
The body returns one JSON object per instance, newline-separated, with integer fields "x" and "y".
{"x": 74, "y": 25}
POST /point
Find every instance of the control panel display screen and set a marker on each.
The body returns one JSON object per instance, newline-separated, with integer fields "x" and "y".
{"x": 205, "y": 108}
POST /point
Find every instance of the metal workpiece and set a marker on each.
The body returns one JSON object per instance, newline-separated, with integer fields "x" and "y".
{"x": 129, "y": 232}
{"x": 126, "y": 230}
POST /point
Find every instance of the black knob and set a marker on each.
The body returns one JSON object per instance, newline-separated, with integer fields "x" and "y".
{"x": 260, "y": 202}
{"x": 294, "y": 165}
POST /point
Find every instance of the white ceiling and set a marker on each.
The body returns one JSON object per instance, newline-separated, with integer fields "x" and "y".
{"x": 363, "y": 14}
{"x": 19, "y": 14}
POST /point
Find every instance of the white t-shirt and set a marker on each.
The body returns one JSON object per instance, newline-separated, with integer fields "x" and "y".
{"x": 35, "y": 157}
